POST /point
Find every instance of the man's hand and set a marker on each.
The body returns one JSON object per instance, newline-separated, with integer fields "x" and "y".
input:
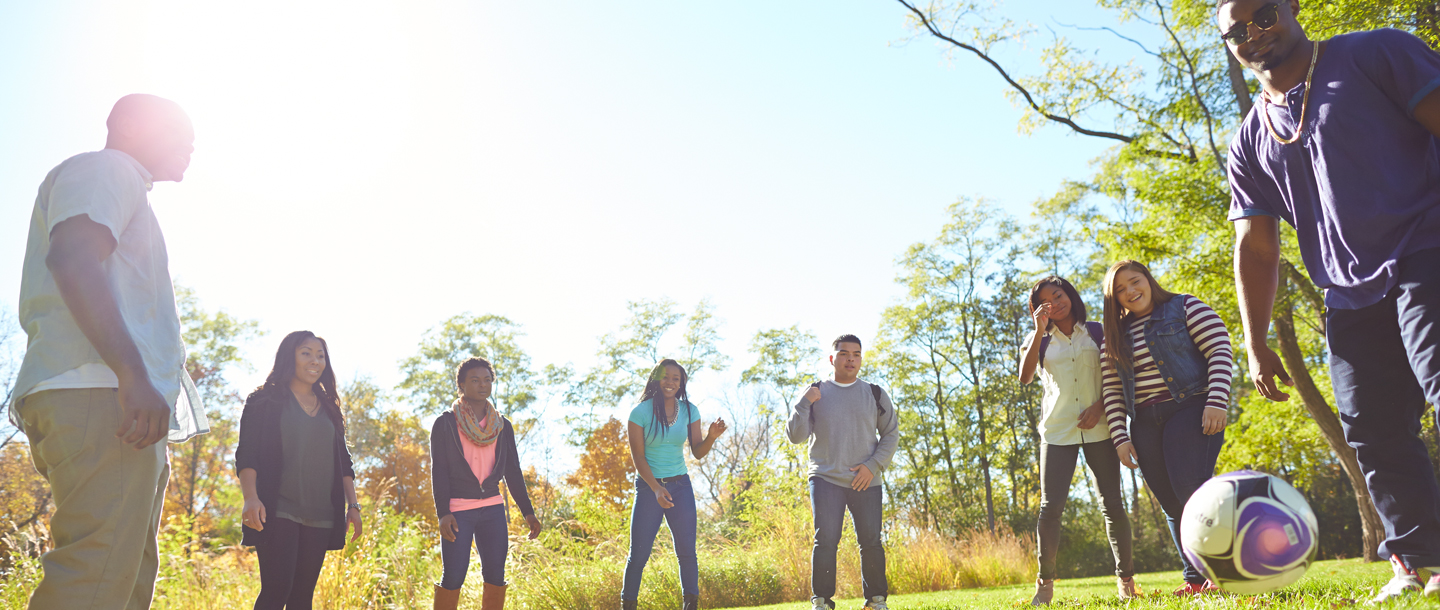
{"x": 862, "y": 478}
{"x": 812, "y": 394}
{"x": 1092, "y": 414}
{"x": 448, "y": 528}
{"x": 1213, "y": 421}
{"x": 1126, "y": 451}
{"x": 144, "y": 414}
{"x": 534, "y": 526}
{"x": 1265, "y": 365}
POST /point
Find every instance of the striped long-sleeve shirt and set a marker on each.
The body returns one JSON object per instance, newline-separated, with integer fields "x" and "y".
{"x": 1208, "y": 332}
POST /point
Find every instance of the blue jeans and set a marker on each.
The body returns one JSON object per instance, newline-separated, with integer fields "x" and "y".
{"x": 1384, "y": 365}
{"x": 645, "y": 521}
{"x": 1176, "y": 457}
{"x": 828, "y": 502}
{"x": 486, "y": 526}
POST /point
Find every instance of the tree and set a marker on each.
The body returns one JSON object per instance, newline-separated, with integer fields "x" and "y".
{"x": 605, "y": 466}
{"x": 203, "y": 489}
{"x": 390, "y": 449}
{"x": 1166, "y": 173}
{"x": 430, "y": 374}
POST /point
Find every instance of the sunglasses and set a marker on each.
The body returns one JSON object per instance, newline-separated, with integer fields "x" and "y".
{"x": 1265, "y": 18}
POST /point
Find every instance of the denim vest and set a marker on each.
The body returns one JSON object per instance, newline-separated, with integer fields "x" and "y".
{"x": 1182, "y": 365}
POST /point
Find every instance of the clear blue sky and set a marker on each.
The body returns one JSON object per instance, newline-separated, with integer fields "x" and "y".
{"x": 366, "y": 169}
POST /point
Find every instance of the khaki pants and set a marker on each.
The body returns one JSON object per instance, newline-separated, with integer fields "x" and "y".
{"x": 108, "y": 500}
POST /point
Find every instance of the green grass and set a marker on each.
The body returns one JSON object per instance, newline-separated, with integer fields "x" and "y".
{"x": 1328, "y": 584}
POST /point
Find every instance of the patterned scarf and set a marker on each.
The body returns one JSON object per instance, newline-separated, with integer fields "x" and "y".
{"x": 470, "y": 425}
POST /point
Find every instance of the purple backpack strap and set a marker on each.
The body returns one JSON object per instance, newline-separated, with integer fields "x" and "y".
{"x": 1097, "y": 332}
{"x": 1044, "y": 343}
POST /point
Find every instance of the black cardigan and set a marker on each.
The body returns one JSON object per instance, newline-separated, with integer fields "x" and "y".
{"x": 450, "y": 474}
{"x": 260, "y": 448}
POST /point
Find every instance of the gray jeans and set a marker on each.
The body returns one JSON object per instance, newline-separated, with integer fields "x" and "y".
{"x": 1057, "y": 468}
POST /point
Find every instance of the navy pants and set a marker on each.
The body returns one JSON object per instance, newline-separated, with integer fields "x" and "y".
{"x": 645, "y": 520}
{"x": 1176, "y": 457}
{"x": 828, "y": 503}
{"x": 487, "y": 528}
{"x": 1384, "y": 366}
{"x": 290, "y": 558}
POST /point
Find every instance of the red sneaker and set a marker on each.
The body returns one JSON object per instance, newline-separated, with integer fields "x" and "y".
{"x": 1191, "y": 588}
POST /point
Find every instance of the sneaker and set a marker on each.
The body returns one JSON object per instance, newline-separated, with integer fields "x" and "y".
{"x": 876, "y": 603}
{"x": 1128, "y": 588}
{"x": 1403, "y": 583}
{"x": 1044, "y": 592}
{"x": 1191, "y": 588}
{"x": 821, "y": 604}
{"x": 1432, "y": 585}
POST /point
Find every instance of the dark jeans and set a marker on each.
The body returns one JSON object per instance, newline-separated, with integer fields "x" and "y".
{"x": 1057, "y": 468}
{"x": 828, "y": 503}
{"x": 1176, "y": 457}
{"x": 1384, "y": 365}
{"x": 486, "y": 527}
{"x": 645, "y": 521}
{"x": 290, "y": 561}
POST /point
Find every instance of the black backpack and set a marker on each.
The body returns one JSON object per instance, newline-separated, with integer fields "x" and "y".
{"x": 874, "y": 390}
{"x": 1097, "y": 334}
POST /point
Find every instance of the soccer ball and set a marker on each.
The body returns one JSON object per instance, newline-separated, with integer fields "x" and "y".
{"x": 1249, "y": 532}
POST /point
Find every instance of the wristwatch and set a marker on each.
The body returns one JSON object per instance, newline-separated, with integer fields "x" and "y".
{"x": 356, "y": 506}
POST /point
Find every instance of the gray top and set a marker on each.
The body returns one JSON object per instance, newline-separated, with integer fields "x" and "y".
{"x": 849, "y": 429}
{"x": 307, "y": 473}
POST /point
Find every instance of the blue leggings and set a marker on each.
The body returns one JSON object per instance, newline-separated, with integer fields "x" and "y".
{"x": 486, "y": 526}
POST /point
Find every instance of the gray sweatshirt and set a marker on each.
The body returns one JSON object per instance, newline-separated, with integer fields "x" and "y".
{"x": 843, "y": 432}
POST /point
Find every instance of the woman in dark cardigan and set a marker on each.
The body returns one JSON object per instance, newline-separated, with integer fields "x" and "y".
{"x": 472, "y": 447}
{"x": 295, "y": 473}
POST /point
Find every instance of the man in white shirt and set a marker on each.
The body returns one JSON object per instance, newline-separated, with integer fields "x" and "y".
{"x": 105, "y": 364}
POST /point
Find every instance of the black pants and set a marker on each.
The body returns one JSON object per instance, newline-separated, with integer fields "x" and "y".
{"x": 290, "y": 562}
{"x": 1385, "y": 365}
{"x": 1057, "y": 468}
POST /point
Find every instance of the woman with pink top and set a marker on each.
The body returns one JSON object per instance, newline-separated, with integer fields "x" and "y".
{"x": 472, "y": 447}
{"x": 1167, "y": 365}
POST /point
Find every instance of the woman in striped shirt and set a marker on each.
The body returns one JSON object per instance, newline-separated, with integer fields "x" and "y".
{"x": 1167, "y": 366}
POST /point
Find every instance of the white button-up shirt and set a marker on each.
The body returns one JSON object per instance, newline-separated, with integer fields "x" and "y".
{"x": 1070, "y": 374}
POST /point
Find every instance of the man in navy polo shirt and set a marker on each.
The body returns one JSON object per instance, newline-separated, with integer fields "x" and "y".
{"x": 1344, "y": 144}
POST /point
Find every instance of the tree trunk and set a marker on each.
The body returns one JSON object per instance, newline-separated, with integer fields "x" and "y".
{"x": 1330, "y": 428}
{"x": 1237, "y": 84}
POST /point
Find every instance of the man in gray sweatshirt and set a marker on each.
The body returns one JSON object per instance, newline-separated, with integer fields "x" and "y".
{"x": 853, "y": 430}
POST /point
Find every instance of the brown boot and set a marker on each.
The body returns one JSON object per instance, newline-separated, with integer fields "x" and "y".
{"x": 492, "y": 597}
{"x": 446, "y": 599}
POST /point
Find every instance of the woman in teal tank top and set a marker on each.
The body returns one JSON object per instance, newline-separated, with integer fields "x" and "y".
{"x": 658, "y": 429}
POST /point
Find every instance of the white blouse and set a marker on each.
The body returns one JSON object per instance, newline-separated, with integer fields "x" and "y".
{"x": 1070, "y": 375}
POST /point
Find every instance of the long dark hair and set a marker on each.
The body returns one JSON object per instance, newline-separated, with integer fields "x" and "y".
{"x": 278, "y": 380}
{"x": 1119, "y": 346}
{"x": 653, "y": 393}
{"x": 1077, "y": 307}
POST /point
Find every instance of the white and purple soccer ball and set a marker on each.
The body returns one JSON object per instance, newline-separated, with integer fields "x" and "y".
{"x": 1249, "y": 532}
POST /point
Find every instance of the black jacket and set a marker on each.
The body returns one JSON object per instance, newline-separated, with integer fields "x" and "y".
{"x": 450, "y": 474}
{"x": 260, "y": 448}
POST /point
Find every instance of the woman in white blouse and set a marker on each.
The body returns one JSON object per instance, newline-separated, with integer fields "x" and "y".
{"x": 1065, "y": 351}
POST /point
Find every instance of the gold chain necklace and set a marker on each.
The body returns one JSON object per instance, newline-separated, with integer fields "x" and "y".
{"x": 1299, "y": 129}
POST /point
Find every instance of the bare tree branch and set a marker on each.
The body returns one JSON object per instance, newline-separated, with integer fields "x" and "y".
{"x": 1194, "y": 86}
{"x": 1067, "y": 121}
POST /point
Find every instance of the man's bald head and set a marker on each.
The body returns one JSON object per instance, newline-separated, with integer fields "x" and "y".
{"x": 153, "y": 130}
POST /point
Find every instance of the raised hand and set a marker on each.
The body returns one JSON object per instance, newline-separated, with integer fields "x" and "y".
{"x": 718, "y": 427}
{"x": 812, "y": 394}
{"x": 1042, "y": 317}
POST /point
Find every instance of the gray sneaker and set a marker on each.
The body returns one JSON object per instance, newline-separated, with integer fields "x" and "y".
{"x": 876, "y": 603}
{"x": 820, "y": 604}
{"x": 1044, "y": 592}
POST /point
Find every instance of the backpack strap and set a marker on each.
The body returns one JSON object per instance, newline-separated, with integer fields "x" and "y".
{"x": 1044, "y": 343}
{"x": 1097, "y": 332}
